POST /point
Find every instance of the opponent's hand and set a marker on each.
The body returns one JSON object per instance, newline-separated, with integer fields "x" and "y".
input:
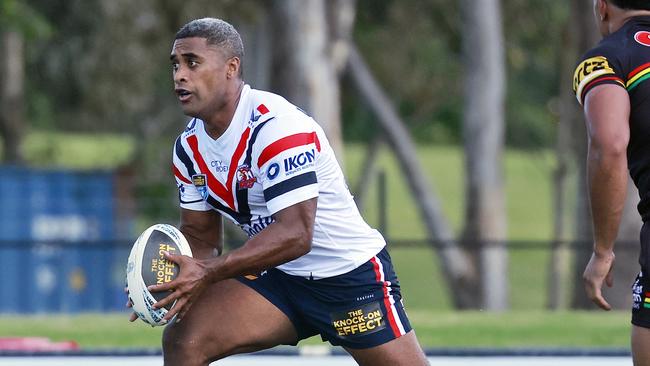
{"x": 186, "y": 287}
{"x": 133, "y": 316}
{"x": 599, "y": 269}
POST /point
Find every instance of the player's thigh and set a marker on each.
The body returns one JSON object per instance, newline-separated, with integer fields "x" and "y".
{"x": 228, "y": 318}
{"x": 402, "y": 351}
{"x": 641, "y": 345}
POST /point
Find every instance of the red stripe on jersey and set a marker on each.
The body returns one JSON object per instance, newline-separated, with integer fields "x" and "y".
{"x": 287, "y": 143}
{"x": 262, "y": 109}
{"x": 591, "y": 85}
{"x": 316, "y": 141}
{"x": 239, "y": 151}
{"x": 387, "y": 305}
{"x": 179, "y": 175}
{"x": 213, "y": 183}
{"x": 637, "y": 70}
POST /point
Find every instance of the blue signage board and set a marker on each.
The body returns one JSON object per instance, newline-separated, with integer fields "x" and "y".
{"x": 58, "y": 248}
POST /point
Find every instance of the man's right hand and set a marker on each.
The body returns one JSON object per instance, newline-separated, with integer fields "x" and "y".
{"x": 599, "y": 270}
{"x": 186, "y": 288}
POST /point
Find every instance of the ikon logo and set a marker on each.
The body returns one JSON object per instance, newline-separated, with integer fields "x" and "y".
{"x": 299, "y": 160}
{"x": 274, "y": 169}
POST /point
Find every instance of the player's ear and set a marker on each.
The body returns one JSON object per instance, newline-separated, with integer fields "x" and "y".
{"x": 233, "y": 67}
{"x": 601, "y": 9}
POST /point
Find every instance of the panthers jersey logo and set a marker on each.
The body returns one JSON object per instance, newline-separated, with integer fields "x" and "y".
{"x": 590, "y": 69}
{"x": 643, "y": 38}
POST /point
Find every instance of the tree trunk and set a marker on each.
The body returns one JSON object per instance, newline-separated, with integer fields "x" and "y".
{"x": 340, "y": 21}
{"x": 258, "y": 47}
{"x": 483, "y": 128}
{"x": 12, "y": 95}
{"x": 568, "y": 116}
{"x": 303, "y": 65}
{"x": 457, "y": 270}
{"x": 369, "y": 170}
{"x": 558, "y": 266}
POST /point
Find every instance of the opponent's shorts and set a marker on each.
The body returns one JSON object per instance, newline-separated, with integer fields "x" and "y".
{"x": 359, "y": 309}
{"x": 641, "y": 301}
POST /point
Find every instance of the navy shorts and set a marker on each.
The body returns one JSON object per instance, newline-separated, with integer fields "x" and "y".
{"x": 641, "y": 301}
{"x": 359, "y": 309}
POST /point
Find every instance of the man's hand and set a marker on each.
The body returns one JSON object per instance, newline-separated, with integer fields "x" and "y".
{"x": 133, "y": 316}
{"x": 599, "y": 269}
{"x": 189, "y": 284}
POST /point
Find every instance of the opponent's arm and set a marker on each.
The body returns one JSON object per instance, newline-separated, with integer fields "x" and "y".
{"x": 607, "y": 111}
{"x": 288, "y": 238}
{"x": 204, "y": 231}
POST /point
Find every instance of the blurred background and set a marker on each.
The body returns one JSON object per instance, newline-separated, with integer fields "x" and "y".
{"x": 454, "y": 121}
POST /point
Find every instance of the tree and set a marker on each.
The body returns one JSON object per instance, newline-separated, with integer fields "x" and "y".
{"x": 306, "y": 72}
{"x": 456, "y": 269}
{"x": 483, "y": 127}
{"x": 568, "y": 113}
{"x": 307, "y": 60}
{"x": 17, "y": 21}
{"x": 12, "y": 94}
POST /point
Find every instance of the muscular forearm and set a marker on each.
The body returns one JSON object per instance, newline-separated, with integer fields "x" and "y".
{"x": 274, "y": 245}
{"x": 607, "y": 181}
{"x": 202, "y": 248}
{"x": 204, "y": 232}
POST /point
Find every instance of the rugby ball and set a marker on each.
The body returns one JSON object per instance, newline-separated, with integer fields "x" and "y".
{"x": 147, "y": 266}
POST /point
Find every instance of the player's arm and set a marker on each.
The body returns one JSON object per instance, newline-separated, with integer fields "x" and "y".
{"x": 607, "y": 111}
{"x": 204, "y": 231}
{"x": 288, "y": 238}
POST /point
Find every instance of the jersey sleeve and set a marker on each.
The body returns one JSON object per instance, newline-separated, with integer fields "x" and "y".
{"x": 286, "y": 155}
{"x": 599, "y": 66}
{"x": 189, "y": 195}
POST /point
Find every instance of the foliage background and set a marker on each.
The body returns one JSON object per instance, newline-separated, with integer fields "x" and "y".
{"x": 101, "y": 66}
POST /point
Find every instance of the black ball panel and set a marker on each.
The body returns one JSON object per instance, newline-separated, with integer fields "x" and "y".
{"x": 157, "y": 270}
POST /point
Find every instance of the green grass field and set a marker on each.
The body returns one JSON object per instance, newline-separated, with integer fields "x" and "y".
{"x": 434, "y": 329}
{"x": 522, "y": 329}
{"x": 78, "y": 150}
{"x": 528, "y": 190}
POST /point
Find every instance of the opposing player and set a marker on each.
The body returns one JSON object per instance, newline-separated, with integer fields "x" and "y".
{"x": 611, "y": 84}
{"x": 311, "y": 264}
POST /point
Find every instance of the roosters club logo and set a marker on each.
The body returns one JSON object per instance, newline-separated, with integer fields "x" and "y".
{"x": 245, "y": 178}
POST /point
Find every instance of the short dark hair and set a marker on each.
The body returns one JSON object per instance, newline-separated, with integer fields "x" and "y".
{"x": 632, "y": 4}
{"x": 216, "y": 32}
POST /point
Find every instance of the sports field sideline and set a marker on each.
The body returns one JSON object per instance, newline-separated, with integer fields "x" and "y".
{"x": 325, "y": 356}
{"x": 319, "y": 361}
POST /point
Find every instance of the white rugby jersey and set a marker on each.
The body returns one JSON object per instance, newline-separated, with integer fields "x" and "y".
{"x": 273, "y": 156}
